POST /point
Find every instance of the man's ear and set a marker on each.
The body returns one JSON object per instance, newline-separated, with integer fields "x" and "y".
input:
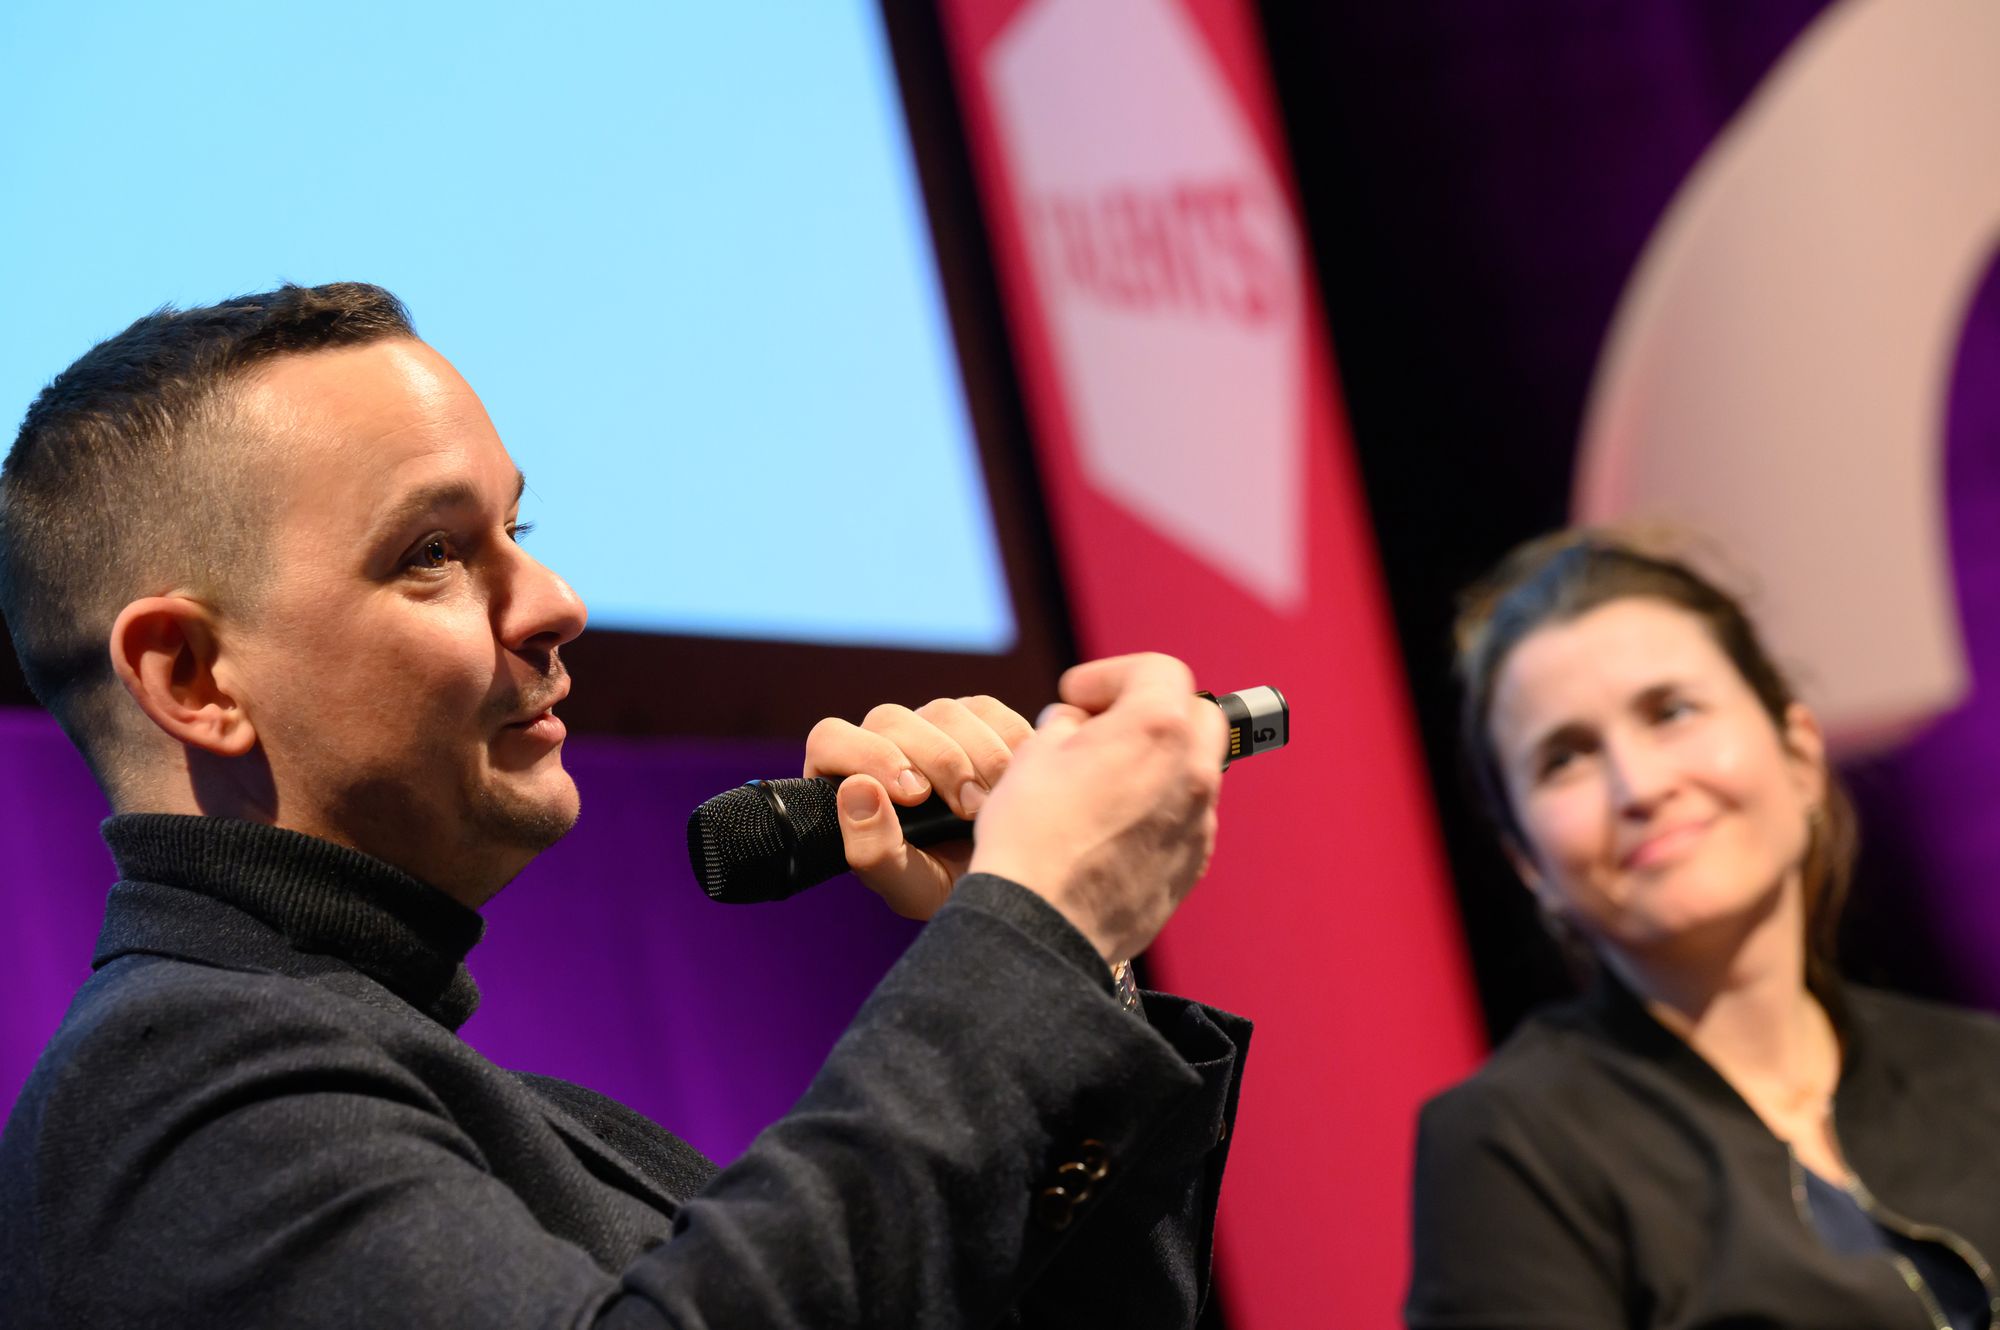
{"x": 165, "y": 651}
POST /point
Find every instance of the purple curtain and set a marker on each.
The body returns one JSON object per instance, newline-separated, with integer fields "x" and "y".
{"x": 603, "y": 963}
{"x": 1931, "y": 809}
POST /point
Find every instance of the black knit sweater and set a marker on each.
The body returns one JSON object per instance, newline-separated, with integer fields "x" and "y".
{"x": 257, "y": 1112}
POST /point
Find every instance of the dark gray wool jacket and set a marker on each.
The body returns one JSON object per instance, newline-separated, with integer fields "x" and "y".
{"x": 257, "y": 1112}
{"x": 1599, "y": 1173}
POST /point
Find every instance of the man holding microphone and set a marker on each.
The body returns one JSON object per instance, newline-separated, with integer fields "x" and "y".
{"x": 260, "y": 561}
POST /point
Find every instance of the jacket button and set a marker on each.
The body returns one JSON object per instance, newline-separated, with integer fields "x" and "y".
{"x": 1055, "y": 1207}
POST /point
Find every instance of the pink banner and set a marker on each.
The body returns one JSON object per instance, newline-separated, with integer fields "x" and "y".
{"x": 1200, "y": 478}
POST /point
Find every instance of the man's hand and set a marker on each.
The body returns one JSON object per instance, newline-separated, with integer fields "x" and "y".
{"x": 1108, "y": 810}
{"x": 958, "y": 747}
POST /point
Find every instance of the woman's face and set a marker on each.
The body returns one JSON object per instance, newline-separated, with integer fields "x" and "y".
{"x": 1655, "y": 794}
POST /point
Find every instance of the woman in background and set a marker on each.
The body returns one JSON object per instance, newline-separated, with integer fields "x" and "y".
{"x": 1720, "y": 1133}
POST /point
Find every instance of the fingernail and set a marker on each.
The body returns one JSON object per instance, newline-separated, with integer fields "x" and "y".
{"x": 970, "y": 796}
{"x": 859, "y": 802}
{"x": 909, "y": 782}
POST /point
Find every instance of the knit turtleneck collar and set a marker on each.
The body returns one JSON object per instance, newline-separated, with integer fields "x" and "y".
{"x": 322, "y": 898}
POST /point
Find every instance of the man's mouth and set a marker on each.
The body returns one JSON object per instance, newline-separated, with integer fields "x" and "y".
{"x": 543, "y": 709}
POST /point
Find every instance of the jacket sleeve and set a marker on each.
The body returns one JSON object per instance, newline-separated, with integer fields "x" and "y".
{"x": 1144, "y": 1233}
{"x": 1507, "y": 1234}
{"x": 1075, "y": 1143}
{"x": 1143, "y": 1260}
{"x": 298, "y": 1176}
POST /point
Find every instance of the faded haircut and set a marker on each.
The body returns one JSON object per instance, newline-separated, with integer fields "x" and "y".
{"x": 132, "y": 476}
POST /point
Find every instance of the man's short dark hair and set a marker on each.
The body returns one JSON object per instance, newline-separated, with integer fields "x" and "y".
{"x": 131, "y": 477}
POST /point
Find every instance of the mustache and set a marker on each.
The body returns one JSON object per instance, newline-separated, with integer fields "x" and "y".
{"x": 534, "y": 699}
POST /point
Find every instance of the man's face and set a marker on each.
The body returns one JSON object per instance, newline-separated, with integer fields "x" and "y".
{"x": 400, "y": 662}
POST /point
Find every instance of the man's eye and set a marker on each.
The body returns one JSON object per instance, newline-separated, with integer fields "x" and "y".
{"x": 519, "y": 530}
{"x": 434, "y": 553}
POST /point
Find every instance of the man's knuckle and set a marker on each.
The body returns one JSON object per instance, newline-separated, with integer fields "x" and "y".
{"x": 1001, "y": 718}
{"x": 947, "y": 758}
{"x": 884, "y": 715}
{"x": 1161, "y": 721}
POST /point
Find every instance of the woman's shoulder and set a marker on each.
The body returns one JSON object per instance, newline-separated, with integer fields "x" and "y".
{"x": 1882, "y": 1011}
{"x": 1551, "y": 1065}
{"x": 1567, "y": 1061}
{"x": 1922, "y": 1045}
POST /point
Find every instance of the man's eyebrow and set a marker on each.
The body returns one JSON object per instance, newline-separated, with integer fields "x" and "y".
{"x": 444, "y": 494}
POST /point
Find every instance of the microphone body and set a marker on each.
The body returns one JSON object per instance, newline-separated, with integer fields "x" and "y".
{"x": 771, "y": 839}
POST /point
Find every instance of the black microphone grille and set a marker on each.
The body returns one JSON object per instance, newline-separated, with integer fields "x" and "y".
{"x": 743, "y": 851}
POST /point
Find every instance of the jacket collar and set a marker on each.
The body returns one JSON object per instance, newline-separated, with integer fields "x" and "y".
{"x": 303, "y": 897}
{"x": 1615, "y": 1012}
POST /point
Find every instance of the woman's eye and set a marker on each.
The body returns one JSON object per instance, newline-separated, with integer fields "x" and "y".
{"x": 1567, "y": 756}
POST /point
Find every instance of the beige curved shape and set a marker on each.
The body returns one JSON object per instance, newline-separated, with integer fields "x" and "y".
{"x": 1777, "y": 371}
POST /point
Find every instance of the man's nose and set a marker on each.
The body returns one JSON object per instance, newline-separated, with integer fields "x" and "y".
{"x": 538, "y": 607}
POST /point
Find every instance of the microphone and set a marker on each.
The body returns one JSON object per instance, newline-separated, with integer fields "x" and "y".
{"x": 771, "y": 839}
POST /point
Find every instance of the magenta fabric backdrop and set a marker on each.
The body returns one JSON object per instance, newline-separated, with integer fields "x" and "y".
{"x": 603, "y": 963}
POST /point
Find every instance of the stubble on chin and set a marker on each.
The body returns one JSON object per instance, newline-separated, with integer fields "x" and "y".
{"x": 520, "y": 823}
{"x": 521, "y": 819}
{"x": 468, "y": 846}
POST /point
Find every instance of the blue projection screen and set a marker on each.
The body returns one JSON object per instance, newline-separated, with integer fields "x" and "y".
{"x": 678, "y": 248}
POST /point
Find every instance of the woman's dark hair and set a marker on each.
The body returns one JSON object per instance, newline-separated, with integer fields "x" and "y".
{"x": 1562, "y": 576}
